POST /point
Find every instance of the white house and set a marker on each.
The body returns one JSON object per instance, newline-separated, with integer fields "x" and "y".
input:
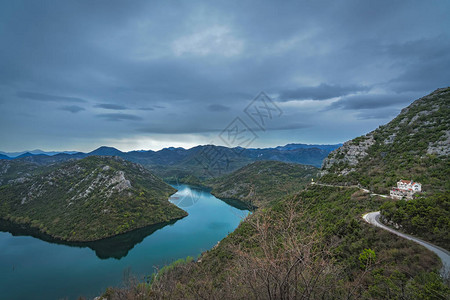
{"x": 405, "y": 189}
{"x": 409, "y": 185}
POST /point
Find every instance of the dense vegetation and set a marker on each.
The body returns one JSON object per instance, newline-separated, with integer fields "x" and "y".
{"x": 426, "y": 217}
{"x": 89, "y": 199}
{"x": 262, "y": 182}
{"x": 414, "y": 145}
{"x": 308, "y": 246}
{"x": 16, "y": 170}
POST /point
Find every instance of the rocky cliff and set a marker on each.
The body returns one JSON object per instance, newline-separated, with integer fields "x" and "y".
{"x": 414, "y": 145}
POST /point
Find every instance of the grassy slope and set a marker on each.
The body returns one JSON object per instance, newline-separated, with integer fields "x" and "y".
{"x": 85, "y": 200}
{"x": 262, "y": 182}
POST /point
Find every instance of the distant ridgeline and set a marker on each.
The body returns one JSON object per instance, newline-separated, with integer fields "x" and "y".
{"x": 413, "y": 146}
{"x": 84, "y": 200}
{"x": 179, "y": 163}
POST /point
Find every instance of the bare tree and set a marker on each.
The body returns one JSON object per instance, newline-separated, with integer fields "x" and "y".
{"x": 285, "y": 262}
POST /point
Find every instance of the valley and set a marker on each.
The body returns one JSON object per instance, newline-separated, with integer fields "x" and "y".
{"x": 305, "y": 234}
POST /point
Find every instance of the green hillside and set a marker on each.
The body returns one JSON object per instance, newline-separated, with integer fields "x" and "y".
{"x": 414, "y": 145}
{"x": 263, "y": 182}
{"x": 425, "y": 217}
{"x": 16, "y": 171}
{"x": 88, "y": 199}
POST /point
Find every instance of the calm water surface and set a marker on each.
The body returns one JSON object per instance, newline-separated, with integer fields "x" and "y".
{"x": 31, "y": 268}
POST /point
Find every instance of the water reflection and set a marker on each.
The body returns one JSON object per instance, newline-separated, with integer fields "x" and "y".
{"x": 118, "y": 246}
{"x": 186, "y": 196}
{"x": 114, "y": 247}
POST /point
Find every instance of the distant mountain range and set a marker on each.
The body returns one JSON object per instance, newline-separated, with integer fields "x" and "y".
{"x": 110, "y": 151}
{"x": 32, "y": 152}
{"x": 201, "y": 161}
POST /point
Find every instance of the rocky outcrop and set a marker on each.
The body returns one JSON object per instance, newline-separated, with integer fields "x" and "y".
{"x": 15, "y": 172}
{"x": 440, "y": 147}
{"x": 349, "y": 154}
{"x": 415, "y": 144}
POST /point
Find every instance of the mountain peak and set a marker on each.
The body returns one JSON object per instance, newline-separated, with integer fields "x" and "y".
{"x": 105, "y": 150}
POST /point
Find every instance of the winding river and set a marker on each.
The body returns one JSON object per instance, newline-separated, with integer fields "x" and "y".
{"x": 31, "y": 268}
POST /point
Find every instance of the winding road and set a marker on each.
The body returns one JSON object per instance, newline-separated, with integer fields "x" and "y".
{"x": 373, "y": 218}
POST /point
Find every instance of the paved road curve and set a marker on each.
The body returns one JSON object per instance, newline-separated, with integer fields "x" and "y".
{"x": 374, "y": 219}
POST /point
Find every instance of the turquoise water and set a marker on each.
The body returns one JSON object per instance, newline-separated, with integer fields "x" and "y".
{"x": 31, "y": 268}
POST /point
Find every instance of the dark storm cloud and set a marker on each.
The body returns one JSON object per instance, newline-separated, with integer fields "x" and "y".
{"x": 426, "y": 64}
{"x": 50, "y": 98}
{"x": 362, "y": 102}
{"x": 320, "y": 92}
{"x": 72, "y": 108}
{"x": 119, "y": 117}
{"x": 205, "y": 61}
{"x": 218, "y": 108}
{"x": 111, "y": 106}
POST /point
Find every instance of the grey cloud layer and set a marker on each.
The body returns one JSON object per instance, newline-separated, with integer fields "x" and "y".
{"x": 50, "y": 98}
{"x": 169, "y": 64}
{"x": 119, "y": 117}
{"x": 72, "y": 108}
{"x": 320, "y": 92}
{"x": 111, "y": 106}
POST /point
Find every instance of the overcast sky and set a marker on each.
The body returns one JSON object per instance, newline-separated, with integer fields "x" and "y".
{"x": 75, "y": 75}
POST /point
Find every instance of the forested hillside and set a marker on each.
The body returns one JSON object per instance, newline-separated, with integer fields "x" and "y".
{"x": 263, "y": 182}
{"x": 87, "y": 200}
{"x": 426, "y": 217}
{"x": 414, "y": 145}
